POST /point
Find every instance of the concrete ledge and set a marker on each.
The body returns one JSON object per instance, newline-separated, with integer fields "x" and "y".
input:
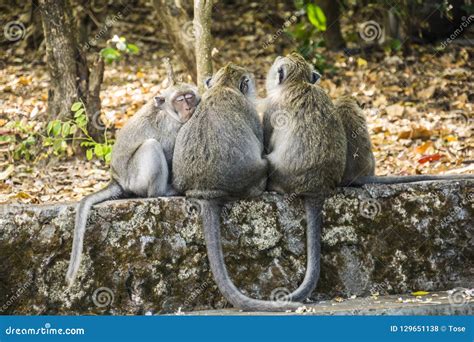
{"x": 149, "y": 255}
{"x": 438, "y": 303}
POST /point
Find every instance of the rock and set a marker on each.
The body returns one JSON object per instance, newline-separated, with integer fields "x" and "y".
{"x": 148, "y": 255}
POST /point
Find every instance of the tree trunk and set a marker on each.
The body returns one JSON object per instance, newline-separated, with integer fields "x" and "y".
{"x": 67, "y": 66}
{"x": 180, "y": 31}
{"x": 203, "y": 44}
{"x": 332, "y": 36}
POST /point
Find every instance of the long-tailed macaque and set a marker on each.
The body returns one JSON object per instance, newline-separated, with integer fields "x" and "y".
{"x": 141, "y": 157}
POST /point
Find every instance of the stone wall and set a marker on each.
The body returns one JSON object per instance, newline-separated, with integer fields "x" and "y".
{"x": 148, "y": 256}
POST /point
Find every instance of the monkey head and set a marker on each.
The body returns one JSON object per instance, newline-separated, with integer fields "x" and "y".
{"x": 292, "y": 68}
{"x": 235, "y": 78}
{"x": 179, "y": 101}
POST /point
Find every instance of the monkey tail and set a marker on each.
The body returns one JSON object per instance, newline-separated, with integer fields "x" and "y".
{"x": 211, "y": 223}
{"x": 111, "y": 191}
{"x": 405, "y": 179}
{"x": 313, "y": 209}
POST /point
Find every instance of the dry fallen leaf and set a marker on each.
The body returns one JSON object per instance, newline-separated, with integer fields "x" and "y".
{"x": 395, "y": 110}
{"x": 422, "y": 149}
{"x": 427, "y": 93}
{"x": 430, "y": 158}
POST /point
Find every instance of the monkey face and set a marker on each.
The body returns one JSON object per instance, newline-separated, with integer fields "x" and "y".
{"x": 179, "y": 101}
{"x": 185, "y": 104}
{"x": 291, "y": 68}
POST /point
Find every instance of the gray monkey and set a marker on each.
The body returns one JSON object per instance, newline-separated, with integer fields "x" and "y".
{"x": 141, "y": 157}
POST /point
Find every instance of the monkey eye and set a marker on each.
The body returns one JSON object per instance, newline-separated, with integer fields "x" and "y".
{"x": 280, "y": 75}
{"x": 189, "y": 96}
{"x": 180, "y": 98}
{"x": 244, "y": 85}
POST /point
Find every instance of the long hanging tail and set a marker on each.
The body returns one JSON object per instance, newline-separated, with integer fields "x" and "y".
{"x": 314, "y": 220}
{"x": 211, "y": 224}
{"x": 405, "y": 179}
{"x": 111, "y": 191}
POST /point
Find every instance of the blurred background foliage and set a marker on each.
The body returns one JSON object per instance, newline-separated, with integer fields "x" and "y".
{"x": 398, "y": 57}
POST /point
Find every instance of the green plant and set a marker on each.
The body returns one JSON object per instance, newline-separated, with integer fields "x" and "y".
{"x": 22, "y": 137}
{"x": 59, "y": 133}
{"x": 34, "y": 140}
{"x": 307, "y": 33}
{"x": 118, "y": 48}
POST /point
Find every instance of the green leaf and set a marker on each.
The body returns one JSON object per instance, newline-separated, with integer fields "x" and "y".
{"x": 76, "y": 106}
{"x": 132, "y": 48}
{"x": 56, "y": 127}
{"x": 98, "y": 150}
{"x": 57, "y": 145}
{"x": 79, "y": 112}
{"x": 49, "y": 127}
{"x": 316, "y": 16}
{"x": 110, "y": 54}
{"x": 66, "y": 129}
{"x": 395, "y": 44}
{"x": 73, "y": 129}
{"x": 89, "y": 154}
{"x": 108, "y": 157}
{"x": 81, "y": 121}
{"x": 30, "y": 140}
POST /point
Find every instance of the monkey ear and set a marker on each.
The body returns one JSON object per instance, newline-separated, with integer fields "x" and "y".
{"x": 207, "y": 82}
{"x": 315, "y": 76}
{"x": 159, "y": 101}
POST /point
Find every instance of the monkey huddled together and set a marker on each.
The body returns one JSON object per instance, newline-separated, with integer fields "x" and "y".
{"x": 213, "y": 147}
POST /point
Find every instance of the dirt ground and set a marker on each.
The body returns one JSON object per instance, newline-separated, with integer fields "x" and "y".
{"x": 419, "y": 105}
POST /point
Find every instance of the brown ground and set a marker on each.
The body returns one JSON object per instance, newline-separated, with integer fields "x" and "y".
{"x": 419, "y": 106}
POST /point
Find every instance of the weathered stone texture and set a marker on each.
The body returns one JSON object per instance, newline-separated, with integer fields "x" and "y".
{"x": 151, "y": 256}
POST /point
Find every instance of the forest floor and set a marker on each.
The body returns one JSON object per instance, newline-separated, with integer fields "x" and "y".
{"x": 419, "y": 105}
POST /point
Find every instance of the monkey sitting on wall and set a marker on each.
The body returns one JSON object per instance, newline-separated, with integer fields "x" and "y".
{"x": 141, "y": 157}
{"x": 218, "y": 157}
{"x": 306, "y": 146}
{"x": 360, "y": 161}
{"x": 311, "y": 146}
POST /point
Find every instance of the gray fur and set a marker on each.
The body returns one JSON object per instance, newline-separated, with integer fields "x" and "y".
{"x": 219, "y": 156}
{"x": 360, "y": 161}
{"x": 140, "y": 165}
{"x": 307, "y": 152}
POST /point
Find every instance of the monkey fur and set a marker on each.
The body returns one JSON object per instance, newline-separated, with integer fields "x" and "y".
{"x": 306, "y": 150}
{"x": 141, "y": 158}
{"x": 219, "y": 157}
{"x": 360, "y": 161}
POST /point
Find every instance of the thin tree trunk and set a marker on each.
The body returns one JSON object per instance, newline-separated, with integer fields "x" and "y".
{"x": 67, "y": 65}
{"x": 203, "y": 44}
{"x": 332, "y": 36}
{"x": 180, "y": 32}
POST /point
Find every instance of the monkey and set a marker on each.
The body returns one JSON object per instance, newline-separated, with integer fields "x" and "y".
{"x": 218, "y": 158}
{"x": 141, "y": 157}
{"x": 307, "y": 153}
{"x": 360, "y": 161}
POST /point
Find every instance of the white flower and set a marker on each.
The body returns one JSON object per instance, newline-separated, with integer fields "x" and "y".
{"x": 121, "y": 46}
{"x": 116, "y": 39}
